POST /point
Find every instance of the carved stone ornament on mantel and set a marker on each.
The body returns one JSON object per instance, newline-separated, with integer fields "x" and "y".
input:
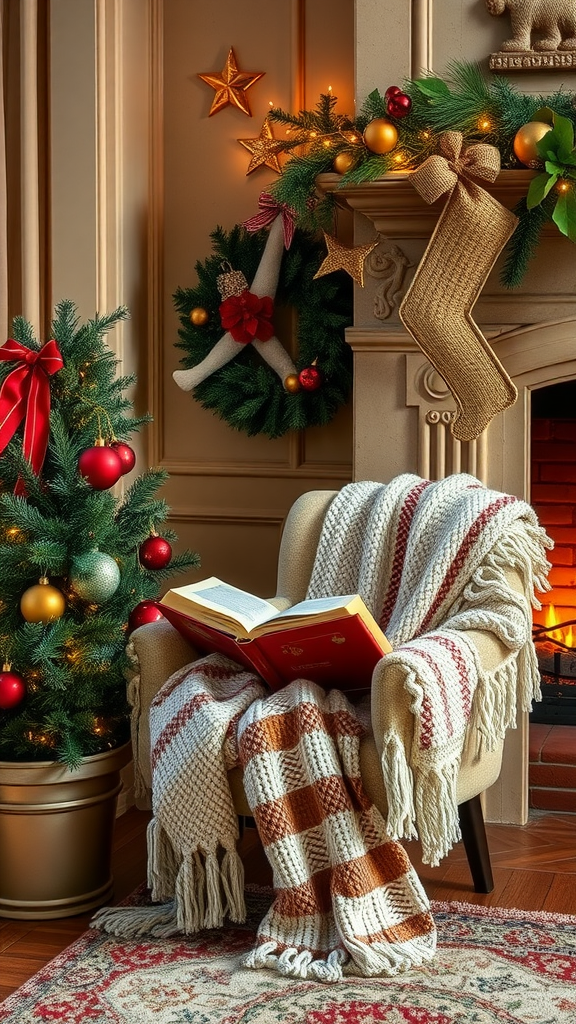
{"x": 389, "y": 268}
{"x": 543, "y": 35}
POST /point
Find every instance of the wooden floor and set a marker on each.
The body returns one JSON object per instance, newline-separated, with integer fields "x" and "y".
{"x": 534, "y": 869}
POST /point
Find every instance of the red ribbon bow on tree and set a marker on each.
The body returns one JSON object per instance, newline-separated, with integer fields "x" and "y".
{"x": 246, "y": 317}
{"x": 25, "y": 393}
{"x": 270, "y": 208}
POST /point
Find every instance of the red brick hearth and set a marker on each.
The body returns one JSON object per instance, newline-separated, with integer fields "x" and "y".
{"x": 552, "y": 769}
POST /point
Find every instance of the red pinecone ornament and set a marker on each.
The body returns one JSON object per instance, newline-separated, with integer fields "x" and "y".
{"x": 12, "y": 689}
{"x": 101, "y": 466}
{"x": 144, "y": 612}
{"x": 126, "y": 454}
{"x": 155, "y": 553}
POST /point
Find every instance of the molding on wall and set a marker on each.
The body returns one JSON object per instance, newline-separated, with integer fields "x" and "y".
{"x": 421, "y": 38}
{"x": 338, "y": 471}
{"x": 229, "y": 517}
{"x": 155, "y": 230}
{"x": 378, "y": 339}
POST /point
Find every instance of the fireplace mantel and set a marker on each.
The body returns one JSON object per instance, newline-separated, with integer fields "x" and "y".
{"x": 402, "y": 407}
{"x": 394, "y": 206}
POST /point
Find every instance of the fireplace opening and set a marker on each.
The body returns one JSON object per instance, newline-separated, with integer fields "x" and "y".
{"x": 553, "y": 495}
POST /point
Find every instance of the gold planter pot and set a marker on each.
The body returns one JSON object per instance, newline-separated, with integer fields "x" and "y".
{"x": 56, "y": 829}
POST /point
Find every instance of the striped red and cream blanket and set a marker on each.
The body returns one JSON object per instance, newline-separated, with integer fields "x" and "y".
{"x": 431, "y": 561}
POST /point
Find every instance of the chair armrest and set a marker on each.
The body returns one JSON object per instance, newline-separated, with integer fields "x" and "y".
{"x": 390, "y": 710}
{"x": 155, "y": 652}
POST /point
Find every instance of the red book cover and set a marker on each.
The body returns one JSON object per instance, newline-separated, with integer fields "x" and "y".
{"x": 340, "y": 654}
{"x": 208, "y": 640}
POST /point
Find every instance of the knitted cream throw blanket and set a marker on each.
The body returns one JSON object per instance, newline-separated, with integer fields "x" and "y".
{"x": 430, "y": 560}
{"x": 345, "y": 893}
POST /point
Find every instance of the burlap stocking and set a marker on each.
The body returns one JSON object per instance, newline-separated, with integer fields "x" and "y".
{"x": 470, "y": 234}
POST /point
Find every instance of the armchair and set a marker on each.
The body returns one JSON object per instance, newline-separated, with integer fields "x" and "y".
{"x": 157, "y": 650}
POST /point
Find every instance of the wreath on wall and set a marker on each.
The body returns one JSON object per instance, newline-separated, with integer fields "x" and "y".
{"x": 234, "y": 361}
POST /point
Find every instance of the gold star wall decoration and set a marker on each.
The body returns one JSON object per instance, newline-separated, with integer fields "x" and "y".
{"x": 340, "y": 257}
{"x": 230, "y": 85}
{"x": 264, "y": 149}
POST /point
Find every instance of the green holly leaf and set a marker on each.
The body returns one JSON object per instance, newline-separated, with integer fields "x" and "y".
{"x": 539, "y": 188}
{"x": 433, "y": 88}
{"x": 553, "y": 168}
{"x": 545, "y": 114}
{"x": 558, "y": 144}
{"x": 564, "y": 215}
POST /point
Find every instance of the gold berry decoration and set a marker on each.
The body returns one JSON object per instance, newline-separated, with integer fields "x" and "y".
{"x": 343, "y": 162}
{"x": 199, "y": 316}
{"x": 380, "y": 135}
{"x": 526, "y": 140}
{"x": 291, "y": 383}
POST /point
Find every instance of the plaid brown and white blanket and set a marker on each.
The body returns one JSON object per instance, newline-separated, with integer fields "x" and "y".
{"x": 430, "y": 560}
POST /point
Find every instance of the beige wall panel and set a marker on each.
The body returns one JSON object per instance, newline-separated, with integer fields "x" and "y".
{"x": 73, "y": 153}
{"x": 329, "y": 32}
{"x": 229, "y": 493}
{"x": 243, "y": 553}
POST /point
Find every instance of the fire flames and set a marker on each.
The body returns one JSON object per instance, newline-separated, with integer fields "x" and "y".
{"x": 565, "y": 635}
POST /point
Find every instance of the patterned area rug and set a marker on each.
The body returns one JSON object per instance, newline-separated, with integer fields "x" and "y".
{"x": 492, "y": 967}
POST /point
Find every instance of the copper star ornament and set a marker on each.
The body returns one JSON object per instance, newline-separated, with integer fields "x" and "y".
{"x": 340, "y": 257}
{"x": 264, "y": 149}
{"x": 230, "y": 85}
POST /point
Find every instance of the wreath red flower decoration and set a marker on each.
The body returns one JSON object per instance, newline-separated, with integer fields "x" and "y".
{"x": 246, "y": 317}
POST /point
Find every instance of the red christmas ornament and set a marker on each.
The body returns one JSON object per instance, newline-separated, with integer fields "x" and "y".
{"x": 12, "y": 689}
{"x": 155, "y": 553}
{"x": 101, "y": 466}
{"x": 126, "y": 454}
{"x": 310, "y": 378}
{"x": 146, "y": 611}
{"x": 392, "y": 90}
{"x": 399, "y": 105}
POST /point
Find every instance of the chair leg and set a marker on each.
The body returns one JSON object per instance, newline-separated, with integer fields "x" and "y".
{"x": 476, "y": 844}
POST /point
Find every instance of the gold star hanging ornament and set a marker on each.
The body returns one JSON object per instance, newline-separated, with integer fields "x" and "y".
{"x": 340, "y": 257}
{"x": 231, "y": 85}
{"x": 264, "y": 149}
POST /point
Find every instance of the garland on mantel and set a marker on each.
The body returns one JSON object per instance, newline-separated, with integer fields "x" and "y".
{"x": 483, "y": 109}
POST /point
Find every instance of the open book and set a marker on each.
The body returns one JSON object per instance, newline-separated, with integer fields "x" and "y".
{"x": 334, "y": 641}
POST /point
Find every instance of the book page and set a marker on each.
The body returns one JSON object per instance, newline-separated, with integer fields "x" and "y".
{"x": 224, "y": 599}
{"x": 316, "y": 605}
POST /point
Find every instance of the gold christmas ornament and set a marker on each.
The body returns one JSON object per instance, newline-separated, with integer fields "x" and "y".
{"x": 292, "y": 383}
{"x": 342, "y": 258}
{"x": 231, "y": 85}
{"x": 525, "y": 142}
{"x": 264, "y": 150}
{"x": 199, "y": 316}
{"x": 343, "y": 162}
{"x": 42, "y": 602}
{"x": 380, "y": 135}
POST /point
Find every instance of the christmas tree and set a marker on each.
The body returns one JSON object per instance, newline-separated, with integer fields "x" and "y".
{"x": 78, "y": 563}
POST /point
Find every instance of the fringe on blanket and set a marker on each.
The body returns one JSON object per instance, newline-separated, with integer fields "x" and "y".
{"x": 194, "y": 891}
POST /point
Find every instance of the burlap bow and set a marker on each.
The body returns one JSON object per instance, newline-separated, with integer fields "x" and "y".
{"x": 440, "y": 172}
{"x": 469, "y": 236}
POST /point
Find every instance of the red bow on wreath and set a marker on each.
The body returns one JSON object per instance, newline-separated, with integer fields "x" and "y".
{"x": 25, "y": 393}
{"x": 246, "y": 316}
